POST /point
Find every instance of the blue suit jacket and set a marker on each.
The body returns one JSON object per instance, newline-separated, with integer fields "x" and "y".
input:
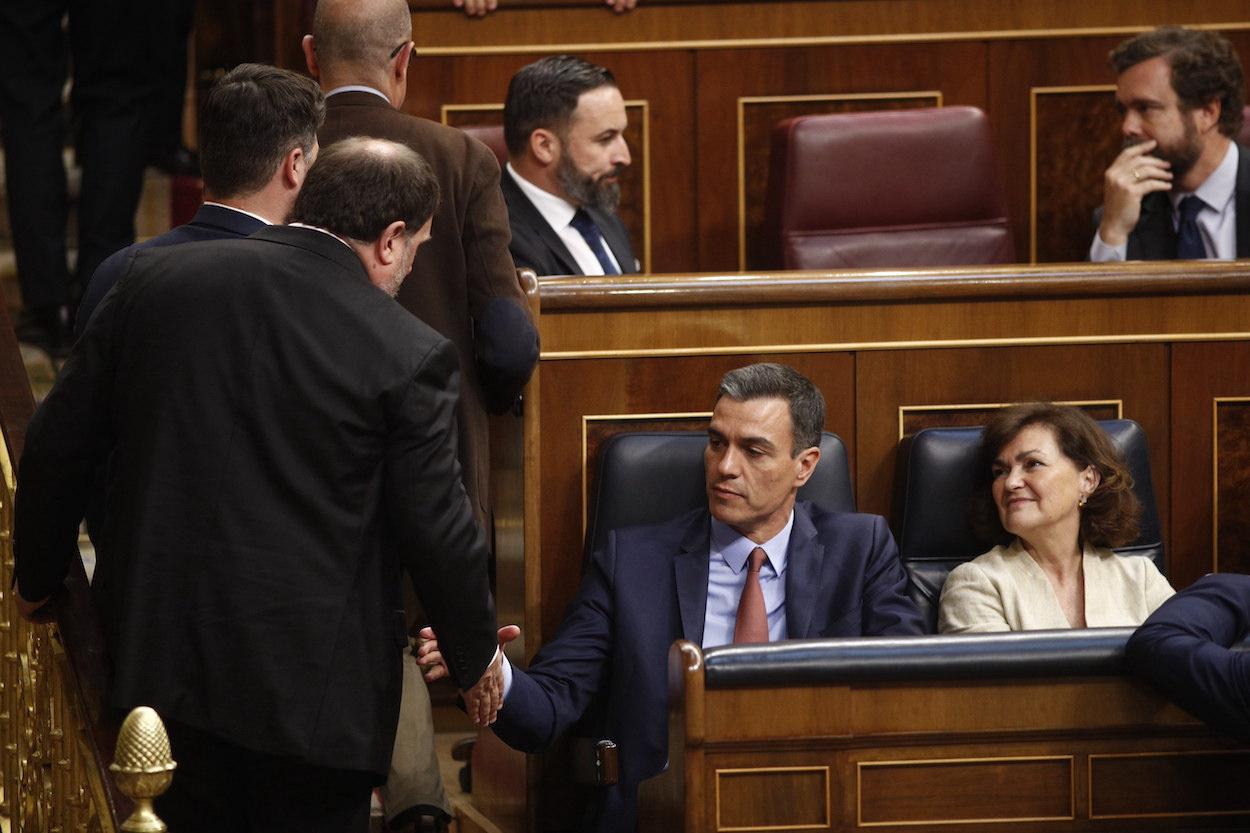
{"x": 1184, "y": 649}
{"x": 649, "y": 588}
{"x": 211, "y": 222}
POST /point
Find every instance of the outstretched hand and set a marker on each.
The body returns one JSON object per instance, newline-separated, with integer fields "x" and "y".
{"x": 430, "y": 658}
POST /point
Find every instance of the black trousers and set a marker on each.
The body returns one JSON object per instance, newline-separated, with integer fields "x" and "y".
{"x": 106, "y": 44}
{"x": 219, "y": 786}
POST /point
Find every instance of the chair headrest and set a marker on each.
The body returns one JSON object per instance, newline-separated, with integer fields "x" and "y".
{"x": 940, "y": 473}
{"x": 651, "y": 477}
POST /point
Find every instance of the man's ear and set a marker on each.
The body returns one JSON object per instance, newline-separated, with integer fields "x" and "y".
{"x": 310, "y": 56}
{"x": 1208, "y": 115}
{"x": 294, "y": 167}
{"x": 805, "y": 464}
{"x": 399, "y": 66}
{"x": 545, "y": 146}
{"x": 389, "y": 247}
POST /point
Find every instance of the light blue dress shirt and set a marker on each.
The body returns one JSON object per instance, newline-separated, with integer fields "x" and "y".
{"x": 727, "y": 575}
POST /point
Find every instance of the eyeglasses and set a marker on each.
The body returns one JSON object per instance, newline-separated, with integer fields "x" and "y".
{"x": 411, "y": 54}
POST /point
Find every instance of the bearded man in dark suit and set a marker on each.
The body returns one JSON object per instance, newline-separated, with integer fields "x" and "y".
{"x": 282, "y": 442}
{"x": 464, "y": 285}
{"x": 564, "y": 123}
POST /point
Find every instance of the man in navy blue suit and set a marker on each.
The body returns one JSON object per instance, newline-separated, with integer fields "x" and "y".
{"x": 1185, "y": 649}
{"x": 754, "y": 566}
{"x": 258, "y": 137}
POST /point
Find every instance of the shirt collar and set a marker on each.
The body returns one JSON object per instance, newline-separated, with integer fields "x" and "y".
{"x": 736, "y": 548}
{"x": 254, "y": 216}
{"x": 1216, "y": 191}
{"x": 323, "y": 231}
{"x": 358, "y": 88}
{"x": 557, "y": 211}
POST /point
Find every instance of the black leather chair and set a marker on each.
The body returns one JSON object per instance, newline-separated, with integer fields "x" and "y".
{"x": 938, "y": 473}
{"x": 650, "y": 477}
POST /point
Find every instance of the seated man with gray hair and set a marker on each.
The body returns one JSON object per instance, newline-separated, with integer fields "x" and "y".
{"x": 755, "y": 565}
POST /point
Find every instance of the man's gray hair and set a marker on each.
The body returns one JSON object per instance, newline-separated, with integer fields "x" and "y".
{"x": 777, "y": 381}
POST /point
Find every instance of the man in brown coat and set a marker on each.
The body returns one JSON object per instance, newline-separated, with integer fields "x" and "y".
{"x": 463, "y": 282}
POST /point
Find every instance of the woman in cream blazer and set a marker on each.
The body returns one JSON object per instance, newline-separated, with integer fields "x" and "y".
{"x": 1054, "y": 480}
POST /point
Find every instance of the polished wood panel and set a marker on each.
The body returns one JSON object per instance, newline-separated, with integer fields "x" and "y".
{"x": 1184, "y": 783}
{"x": 1231, "y": 456}
{"x": 979, "y": 790}
{"x": 768, "y": 798}
{"x": 913, "y": 418}
{"x": 1135, "y": 374}
{"x": 1201, "y": 373}
{"x": 1073, "y": 136}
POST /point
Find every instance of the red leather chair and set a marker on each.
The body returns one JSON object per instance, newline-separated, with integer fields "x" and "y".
{"x": 490, "y": 135}
{"x": 886, "y": 189}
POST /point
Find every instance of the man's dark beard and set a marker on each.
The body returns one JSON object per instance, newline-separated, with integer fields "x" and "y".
{"x": 583, "y": 190}
{"x": 1182, "y": 157}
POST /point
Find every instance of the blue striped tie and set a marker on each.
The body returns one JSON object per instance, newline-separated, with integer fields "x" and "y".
{"x": 589, "y": 230}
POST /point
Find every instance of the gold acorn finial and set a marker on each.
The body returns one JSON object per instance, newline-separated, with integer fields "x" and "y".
{"x": 143, "y": 767}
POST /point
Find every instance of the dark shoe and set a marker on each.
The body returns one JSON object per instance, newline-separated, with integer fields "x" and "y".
{"x": 48, "y": 328}
{"x": 420, "y": 819}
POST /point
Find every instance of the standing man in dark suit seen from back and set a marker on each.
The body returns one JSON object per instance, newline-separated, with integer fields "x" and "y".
{"x": 463, "y": 284}
{"x": 564, "y": 122}
{"x": 257, "y": 138}
{"x": 1180, "y": 189}
{"x": 281, "y": 434}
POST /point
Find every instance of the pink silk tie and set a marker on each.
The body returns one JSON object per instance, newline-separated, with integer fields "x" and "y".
{"x": 752, "y": 622}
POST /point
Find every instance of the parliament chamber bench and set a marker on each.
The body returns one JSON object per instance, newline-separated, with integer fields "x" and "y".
{"x": 1166, "y": 345}
{"x": 1030, "y": 731}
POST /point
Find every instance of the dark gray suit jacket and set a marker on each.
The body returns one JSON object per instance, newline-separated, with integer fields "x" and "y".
{"x": 1154, "y": 238}
{"x": 283, "y": 440}
{"x": 535, "y": 243}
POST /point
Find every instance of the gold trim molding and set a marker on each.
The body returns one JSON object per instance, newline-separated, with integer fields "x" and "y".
{"x": 903, "y": 410}
{"x": 864, "y": 346}
{"x": 745, "y": 101}
{"x": 819, "y": 40}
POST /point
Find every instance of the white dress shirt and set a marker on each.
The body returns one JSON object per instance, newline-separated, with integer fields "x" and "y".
{"x": 559, "y": 215}
{"x": 727, "y": 575}
{"x": 1217, "y": 222}
{"x": 358, "y": 88}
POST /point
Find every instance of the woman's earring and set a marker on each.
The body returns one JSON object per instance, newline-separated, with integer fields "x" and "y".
{"x": 1081, "y": 503}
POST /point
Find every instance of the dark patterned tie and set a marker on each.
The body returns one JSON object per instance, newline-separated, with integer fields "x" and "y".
{"x": 752, "y": 622}
{"x": 1188, "y": 239}
{"x": 589, "y": 230}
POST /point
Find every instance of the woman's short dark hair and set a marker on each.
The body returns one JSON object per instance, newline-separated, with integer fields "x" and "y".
{"x": 545, "y": 93}
{"x": 1204, "y": 67}
{"x": 1112, "y": 513}
{"x": 359, "y": 186}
